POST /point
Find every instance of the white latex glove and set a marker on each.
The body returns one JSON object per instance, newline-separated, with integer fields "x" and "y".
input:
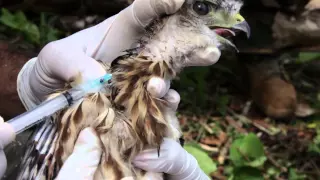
{"x": 7, "y": 135}
{"x": 84, "y": 160}
{"x": 174, "y": 160}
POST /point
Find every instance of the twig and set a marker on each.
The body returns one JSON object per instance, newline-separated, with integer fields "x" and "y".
{"x": 224, "y": 151}
{"x": 275, "y": 163}
{"x": 209, "y": 148}
{"x": 206, "y": 127}
{"x": 236, "y": 125}
{"x": 263, "y": 128}
{"x": 199, "y": 135}
{"x": 241, "y": 118}
{"x": 315, "y": 167}
{"x": 246, "y": 108}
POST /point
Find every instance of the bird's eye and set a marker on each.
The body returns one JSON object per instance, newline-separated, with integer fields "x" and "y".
{"x": 201, "y": 8}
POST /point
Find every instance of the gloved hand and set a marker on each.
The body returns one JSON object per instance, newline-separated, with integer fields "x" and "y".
{"x": 61, "y": 61}
{"x": 173, "y": 160}
{"x": 7, "y": 135}
{"x": 84, "y": 160}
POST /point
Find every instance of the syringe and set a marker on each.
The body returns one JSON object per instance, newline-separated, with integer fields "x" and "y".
{"x": 49, "y": 107}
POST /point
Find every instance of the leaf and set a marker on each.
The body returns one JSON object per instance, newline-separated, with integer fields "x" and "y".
{"x": 304, "y": 110}
{"x": 205, "y": 162}
{"x": 20, "y": 23}
{"x": 293, "y": 175}
{"x": 307, "y": 56}
{"x": 247, "y": 151}
{"x": 222, "y": 103}
{"x": 315, "y": 145}
{"x": 247, "y": 173}
{"x": 48, "y": 33}
{"x": 272, "y": 171}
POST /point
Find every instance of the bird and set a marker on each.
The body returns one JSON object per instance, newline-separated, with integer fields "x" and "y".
{"x": 126, "y": 117}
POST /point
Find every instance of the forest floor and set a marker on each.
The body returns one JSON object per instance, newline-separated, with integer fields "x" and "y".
{"x": 232, "y": 139}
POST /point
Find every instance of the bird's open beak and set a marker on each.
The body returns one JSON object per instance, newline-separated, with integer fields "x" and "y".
{"x": 243, "y": 27}
{"x": 233, "y": 27}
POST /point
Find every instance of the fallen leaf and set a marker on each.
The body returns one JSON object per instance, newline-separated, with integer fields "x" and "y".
{"x": 223, "y": 136}
{"x": 304, "y": 110}
{"x": 210, "y": 140}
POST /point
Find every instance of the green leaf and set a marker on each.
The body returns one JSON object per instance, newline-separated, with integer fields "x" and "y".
{"x": 247, "y": 173}
{"x": 272, "y": 171}
{"x": 222, "y": 103}
{"x": 21, "y": 24}
{"x": 205, "y": 162}
{"x": 247, "y": 151}
{"x": 293, "y": 175}
{"x": 307, "y": 56}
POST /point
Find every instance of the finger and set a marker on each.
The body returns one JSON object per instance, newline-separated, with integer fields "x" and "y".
{"x": 146, "y": 155}
{"x": 7, "y": 134}
{"x": 127, "y": 178}
{"x": 204, "y": 57}
{"x": 84, "y": 161}
{"x": 173, "y": 99}
{"x": 158, "y": 87}
{"x": 167, "y": 6}
{"x": 3, "y": 163}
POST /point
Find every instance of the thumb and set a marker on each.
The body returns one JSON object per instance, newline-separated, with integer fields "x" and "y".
{"x": 158, "y": 87}
{"x": 83, "y": 162}
{"x": 204, "y": 57}
{"x": 7, "y": 134}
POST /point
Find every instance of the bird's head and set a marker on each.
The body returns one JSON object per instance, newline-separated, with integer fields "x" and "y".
{"x": 198, "y": 24}
{"x": 221, "y": 16}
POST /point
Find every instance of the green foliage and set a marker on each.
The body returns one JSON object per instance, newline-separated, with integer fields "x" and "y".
{"x": 37, "y": 35}
{"x": 47, "y": 32}
{"x": 193, "y": 87}
{"x": 20, "y": 23}
{"x": 315, "y": 145}
{"x": 247, "y": 151}
{"x": 293, "y": 175}
{"x": 307, "y": 57}
{"x": 247, "y": 155}
{"x": 205, "y": 162}
{"x": 272, "y": 172}
{"x": 222, "y": 102}
{"x": 246, "y": 173}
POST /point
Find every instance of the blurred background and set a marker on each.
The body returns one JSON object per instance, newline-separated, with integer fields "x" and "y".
{"x": 253, "y": 115}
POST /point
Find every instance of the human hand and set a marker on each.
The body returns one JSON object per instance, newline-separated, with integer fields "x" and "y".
{"x": 7, "y": 135}
{"x": 173, "y": 160}
{"x": 63, "y": 60}
{"x": 85, "y": 158}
